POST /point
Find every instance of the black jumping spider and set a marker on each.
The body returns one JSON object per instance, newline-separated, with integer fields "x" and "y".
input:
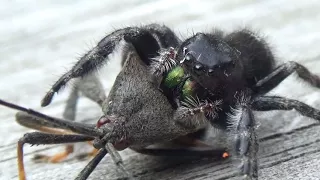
{"x": 224, "y": 75}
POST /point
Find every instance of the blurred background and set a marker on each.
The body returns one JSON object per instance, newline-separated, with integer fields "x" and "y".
{"x": 40, "y": 40}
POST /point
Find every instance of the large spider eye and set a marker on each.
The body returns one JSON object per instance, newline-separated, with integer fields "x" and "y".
{"x": 210, "y": 71}
{"x": 198, "y": 67}
{"x": 188, "y": 57}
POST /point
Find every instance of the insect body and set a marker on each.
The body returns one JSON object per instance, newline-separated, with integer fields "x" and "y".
{"x": 136, "y": 114}
{"x": 221, "y": 78}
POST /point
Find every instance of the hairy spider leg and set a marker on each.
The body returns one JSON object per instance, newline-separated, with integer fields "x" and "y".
{"x": 269, "y": 103}
{"x": 243, "y": 129}
{"x": 282, "y": 72}
{"x": 146, "y": 40}
{"x": 183, "y": 114}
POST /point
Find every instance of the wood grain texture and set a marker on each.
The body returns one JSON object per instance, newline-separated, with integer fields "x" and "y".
{"x": 41, "y": 39}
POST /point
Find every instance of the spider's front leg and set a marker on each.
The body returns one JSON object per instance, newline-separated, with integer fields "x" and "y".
{"x": 164, "y": 62}
{"x": 96, "y": 57}
{"x": 243, "y": 131}
{"x": 192, "y": 114}
{"x": 146, "y": 40}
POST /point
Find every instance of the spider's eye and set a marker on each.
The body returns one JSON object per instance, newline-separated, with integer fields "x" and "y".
{"x": 188, "y": 57}
{"x": 198, "y": 67}
{"x": 210, "y": 71}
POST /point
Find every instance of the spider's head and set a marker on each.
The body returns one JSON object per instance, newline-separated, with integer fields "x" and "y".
{"x": 207, "y": 59}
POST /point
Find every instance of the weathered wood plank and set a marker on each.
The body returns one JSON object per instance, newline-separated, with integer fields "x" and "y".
{"x": 40, "y": 40}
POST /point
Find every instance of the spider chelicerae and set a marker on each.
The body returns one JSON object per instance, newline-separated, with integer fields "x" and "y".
{"x": 223, "y": 76}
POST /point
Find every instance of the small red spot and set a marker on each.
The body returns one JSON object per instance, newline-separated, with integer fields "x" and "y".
{"x": 121, "y": 145}
{"x": 103, "y": 120}
{"x": 172, "y": 53}
{"x": 225, "y": 155}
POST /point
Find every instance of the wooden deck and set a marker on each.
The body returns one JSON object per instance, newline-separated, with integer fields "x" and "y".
{"x": 40, "y": 40}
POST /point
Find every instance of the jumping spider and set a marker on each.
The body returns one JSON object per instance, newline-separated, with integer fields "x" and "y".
{"x": 210, "y": 78}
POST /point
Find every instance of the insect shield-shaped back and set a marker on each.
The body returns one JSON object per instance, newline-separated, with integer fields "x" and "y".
{"x": 140, "y": 113}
